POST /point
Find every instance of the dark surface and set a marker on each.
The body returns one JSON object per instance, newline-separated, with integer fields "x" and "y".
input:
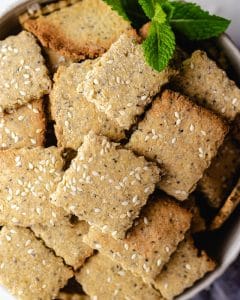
{"x": 226, "y": 287}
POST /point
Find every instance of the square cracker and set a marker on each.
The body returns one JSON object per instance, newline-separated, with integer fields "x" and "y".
{"x": 150, "y": 242}
{"x": 228, "y": 207}
{"x": 24, "y": 127}
{"x": 27, "y": 179}
{"x": 185, "y": 267}
{"x": 85, "y": 29}
{"x": 202, "y": 80}
{"x": 181, "y": 136}
{"x": 28, "y": 269}
{"x": 103, "y": 279}
{"x": 219, "y": 178}
{"x": 106, "y": 185}
{"x": 66, "y": 241}
{"x": 74, "y": 115}
{"x": 23, "y": 75}
{"x": 121, "y": 83}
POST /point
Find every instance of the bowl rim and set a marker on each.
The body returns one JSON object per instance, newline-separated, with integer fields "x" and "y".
{"x": 233, "y": 54}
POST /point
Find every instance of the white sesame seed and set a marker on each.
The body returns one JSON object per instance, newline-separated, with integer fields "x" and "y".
{"x": 97, "y": 210}
{"x": 203, "y": 132}
{"x": 144, "y": 97}
{"x": 95, "y": 81}
{"x": 98, "y": 246}
{"x": 124, "y": 203}
{"x": 176, "y": 114}
{"x": 188, "y": 267}
{"x": 173, "y": 140}
{"x": 167, "y": 249}
{"x": 22, "y": 93}
{"x": 191, "y": 128}
{"x": 135, "y": 199}
{"x": 33, "y": 141}
{"x": 134, "y": 256}
{"x": 234, "y": 101}
{"x": 126, "y": 246}
{"x": 8, "y": 238}
{"x": 159, "y": 262}
{"x": 145, "y": 220}
{"x": 178, "y": 122}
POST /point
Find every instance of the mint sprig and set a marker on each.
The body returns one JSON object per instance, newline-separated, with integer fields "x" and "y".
{"x": 167, "y": 18}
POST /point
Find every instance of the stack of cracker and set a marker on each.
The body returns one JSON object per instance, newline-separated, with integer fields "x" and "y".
{"x": 118, "y": 217}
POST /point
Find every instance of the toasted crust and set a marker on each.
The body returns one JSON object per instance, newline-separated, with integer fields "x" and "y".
{"x": 27, "y": 178}
{"x": 23, "y": 75}
{"x": 106, "y": 185}
{"x": 28, "y": 269}
{"x": 24, "y": 127}
{"x": 202, "y": 80}
{"x": 150, "y": 242}
{"x": 181, "y": 136}
{"x": 228, "y": 208}
{"x": 74, "y": 115}
{"x": 66, "y": 241}
{"x": 123, "y": 66}
{"x": 219, "y": 178}
{"x": 103, "y": 279}
{"x": 185, "y": 267}
{"x": 84, "y": 30}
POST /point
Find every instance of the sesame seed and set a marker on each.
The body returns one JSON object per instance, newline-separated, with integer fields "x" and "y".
{"x": 165, "y": 286}
{"x": 97, "y": 210}
{"x": 30, "y": 251}
{"x": 95, "y": 81}
{"x": 126, "y": 246}
{"x": 124, "y": 203}
{"x": 188, "y": 267}
{"x": 234, "y": 101}
{"x": 178, "y": 122}
{"x": 145, "y": 220}
{"x": 22, "y": 93}
{"x": 191, "y": 128}
{"x": 176, "y": 114}
{"x": 8, "y": 238}
{"x": 144, "y": 97}
{"x": 135, "y": 199}
{"x": 159, "y": 262}
{"x": 173, "y": 140}
{"x": 134, "y": 256}
{"x": 98, "y": 246}
{"x": 203, "y": 132}
{"x": 33, "y": 141}
{"x": 167, "y": 249}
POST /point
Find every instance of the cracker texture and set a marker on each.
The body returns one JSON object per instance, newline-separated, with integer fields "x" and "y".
{"x": 74, "y": 115}
{"x": 106, "y": 185}
{"x": 150, "y": 243}
{"x": 28, "y": 269}
{"x": 203, "y": 81}
{"x": 24, "y": 127}
{"x": 219, "y": 178}
{"x": 103, "y": 279}
{"x": 27, "y": 179}
{"x": 66, "y": 241}
{"x": 123, "y": 66}
{"x": 85, "y": 29}
{"x": 23, "y": 74}
{"x": 185, "y": 267}
{"x": 182, "y": 137}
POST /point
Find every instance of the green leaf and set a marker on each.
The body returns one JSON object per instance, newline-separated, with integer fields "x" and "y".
{"x": 118, "y": 6}
{"x": 149, "y": 6}
{"x": 195, "y": 23}
{"x": 159, "y": 46}
{"x": 159, "y": 16}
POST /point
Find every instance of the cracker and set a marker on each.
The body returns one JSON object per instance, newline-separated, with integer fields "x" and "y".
{"x": 66, "y": 296}
{"x": 181, "y": 136}
{"x": 28, "y": 269}
{"x": 198, "y": 222}
{"x": 121, "y": 83}
{"x": 185, "y": 267}
{"x": 103, "y": 279}
{"x": 150, "y": 242}
{"x": 219, "y": 178}
{"x": 23, "y": 75}
{"x": 228, "y": 208}
{"x": 24, "y": 127}
{"x": 27, "y": 178}
{"x": 85, "y": 29}
{"x": 66, "y": 241}
{"x": 201, "y": 79}
{"x": 74, "y": 115}
{"x": 106, "y": 185}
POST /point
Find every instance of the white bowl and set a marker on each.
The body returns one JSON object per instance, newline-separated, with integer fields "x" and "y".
{"x": 228, "y": 248}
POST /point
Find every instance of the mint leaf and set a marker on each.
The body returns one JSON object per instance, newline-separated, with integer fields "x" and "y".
{"x": 118, "y": 6}
{"x": 149, "y": 6}
{"x": 195, "y": 23}
{"x": 159, "y": 46}
{"x": 159, "y": 16}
